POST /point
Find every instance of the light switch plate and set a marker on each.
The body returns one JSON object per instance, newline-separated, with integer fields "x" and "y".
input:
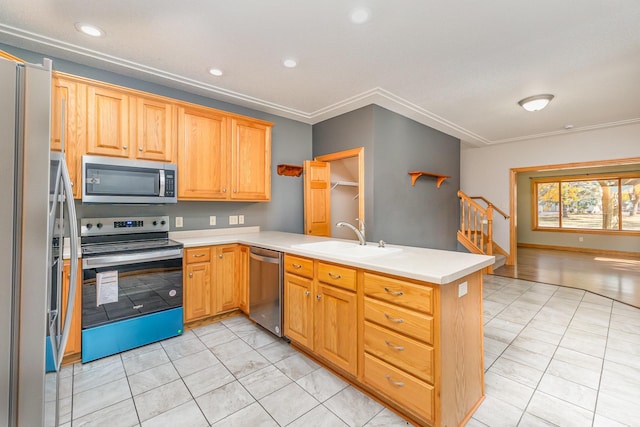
{"x": 178, "y": 221}
{"x": 233, "y": 219}
{"x": 462, "y": 289}
{"x": 240, "y": 219}
{"x": 212, "y": 220}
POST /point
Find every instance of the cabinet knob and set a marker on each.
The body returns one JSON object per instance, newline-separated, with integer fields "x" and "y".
{"x": 235, "y": 191}
{"x": 139, "y": 148}
{"x": 124, "y": 147}
{"x": 72, "y": 184}
{"x": 318, "y": 297}
{"x": 220, "y": 256}
{"x": 224, "y": 190}
{"x": 307, "y": 293}
{"x": 190, "y": 274}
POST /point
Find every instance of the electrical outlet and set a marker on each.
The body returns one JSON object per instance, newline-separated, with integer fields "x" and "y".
{"x": 240, "y": 219}
{"x": 462, "y": 289}
{"x": 233, "y": 219}
{"x": 212, "y": 220}
{"x": 178, "y": 221}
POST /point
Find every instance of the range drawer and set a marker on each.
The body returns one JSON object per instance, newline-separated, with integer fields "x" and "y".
{"x": 192, "y": 255}
{"x": 298, "y": 265}
{"x": 407, "y": 322}
{"x": 405, "y": 353}
{"x": 417, "y": 297}
{"x": 408, "y": 391}
{"x": 343, "y": 277}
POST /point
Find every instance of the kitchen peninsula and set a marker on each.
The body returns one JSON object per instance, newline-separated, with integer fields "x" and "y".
{"x": 404, "y": 325}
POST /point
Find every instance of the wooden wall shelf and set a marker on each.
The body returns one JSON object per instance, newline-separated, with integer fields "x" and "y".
{"x": 290, "y": 170}
{"x": 417, "y": 174}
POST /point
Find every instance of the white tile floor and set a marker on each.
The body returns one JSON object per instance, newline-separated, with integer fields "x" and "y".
{"x": 553, "y": 356}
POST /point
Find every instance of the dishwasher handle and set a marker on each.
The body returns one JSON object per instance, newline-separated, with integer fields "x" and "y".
{"x": 264, "y": 258}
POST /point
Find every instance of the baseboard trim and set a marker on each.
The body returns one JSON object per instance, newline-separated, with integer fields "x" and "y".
{"x": 582, "y": 250}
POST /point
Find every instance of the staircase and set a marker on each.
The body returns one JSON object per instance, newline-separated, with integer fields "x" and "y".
{"x": 476, "y": 228}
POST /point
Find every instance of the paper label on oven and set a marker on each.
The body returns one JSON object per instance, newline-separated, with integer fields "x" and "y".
{"x": 106, "y": 287}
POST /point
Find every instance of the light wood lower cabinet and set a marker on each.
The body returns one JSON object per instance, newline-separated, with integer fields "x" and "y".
{"x": 74, "y": 342}
{"x": 243, "y": 279}
{"x": 319, "y": 315}
{"x": 415, "y": 345}
{"x": 215, "y": 280}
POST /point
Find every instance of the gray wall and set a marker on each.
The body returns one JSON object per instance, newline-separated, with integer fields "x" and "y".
{"x": 605, "y": 242}
{"x": 394, "y": 145}
{"x": 291, "y": 143}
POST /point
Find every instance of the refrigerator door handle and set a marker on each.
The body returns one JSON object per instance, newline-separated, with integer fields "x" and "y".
{"x": 73, "y": 276}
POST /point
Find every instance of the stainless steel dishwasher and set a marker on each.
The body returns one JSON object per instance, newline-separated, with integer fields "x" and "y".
{"x": 265, "y": 289}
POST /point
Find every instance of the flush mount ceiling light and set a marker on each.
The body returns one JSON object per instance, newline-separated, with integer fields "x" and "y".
{"x": 90, "y": 30}
{"x": 360, "y": 15}
{"x": 535, "y": 103}
{"x": 290, "y": 63}
{"x": 215, "y": 72}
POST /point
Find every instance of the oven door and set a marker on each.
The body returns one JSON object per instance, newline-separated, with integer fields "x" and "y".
{"x": 129, "y": 285}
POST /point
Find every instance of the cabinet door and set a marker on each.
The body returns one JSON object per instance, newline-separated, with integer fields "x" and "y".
{"x": 197, "y": 291}
{"x": 243, "y": 279}
{"x": 72, "y": 94}
{"x": 250, "y": 160}
{"x": 154, "y": 129}
{"x": 226, "y": 278}
{"x": 202, "y": 155}
{"x": 74, "y": 343}
{"x": 298, "y": 309}
{"x": 335, "y": 317}
{"x": 107, "y": 122}
{"x": 317, "y": 198}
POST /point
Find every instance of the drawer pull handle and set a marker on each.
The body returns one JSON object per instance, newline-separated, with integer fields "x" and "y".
{"x": 394, "y": 319}
{"x": 394, "y": 347}
{"x": 307, "y": 293}
{"x": 198, "y": 255}
{"x": 396, "y": 383}
{"x": 334, "y": 276}
{"x": 396, "y": 293}
{"x": 296, "y": 266}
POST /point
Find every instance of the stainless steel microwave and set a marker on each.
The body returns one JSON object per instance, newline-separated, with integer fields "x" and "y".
{"x": 112, "y": 180}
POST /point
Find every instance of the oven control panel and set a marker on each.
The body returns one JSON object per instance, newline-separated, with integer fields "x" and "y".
{"x": 123, "y": 225}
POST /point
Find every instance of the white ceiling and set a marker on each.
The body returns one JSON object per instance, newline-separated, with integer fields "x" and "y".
{"x": 459, "y": 66}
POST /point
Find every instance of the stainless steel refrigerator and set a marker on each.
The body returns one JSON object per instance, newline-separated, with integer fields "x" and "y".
{"x": 33, "y": 212}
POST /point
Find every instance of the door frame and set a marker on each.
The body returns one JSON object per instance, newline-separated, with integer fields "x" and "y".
{"x": 513, "y": 195}
{"x": 341, "y": 155}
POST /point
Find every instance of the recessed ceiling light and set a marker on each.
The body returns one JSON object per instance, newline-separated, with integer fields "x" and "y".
{"x": 535, "y": 103}
{"x": 90, "y": 30}
{"x": 290, "y": 63}
{"x": 215, "y": 72}
{"x": 360, "y": 15}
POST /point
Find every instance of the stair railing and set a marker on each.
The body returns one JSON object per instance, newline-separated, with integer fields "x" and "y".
{"x": 476, "y": 225}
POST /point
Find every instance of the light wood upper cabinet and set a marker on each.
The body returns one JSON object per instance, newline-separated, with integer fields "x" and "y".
{"x": 202, "y": 154}
{"x": 153, "y": 127}
{"x": 107, "y": 122}
{"x": 250, "y": 160}
{"x": 69, "y": 120}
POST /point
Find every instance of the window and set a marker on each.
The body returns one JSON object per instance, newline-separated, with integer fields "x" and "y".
{"x": 605, "y": 204}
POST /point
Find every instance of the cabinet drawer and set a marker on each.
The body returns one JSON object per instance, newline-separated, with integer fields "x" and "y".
{"x": 415, "y": 395}
{"x": 405, "y": 353}
{"x": 407, "y": 322}
{"x": 298, "y": 265}
{"x": 399, "y": 292}
{"x": 337, "y": 275}
{"x": 197, "y": 255}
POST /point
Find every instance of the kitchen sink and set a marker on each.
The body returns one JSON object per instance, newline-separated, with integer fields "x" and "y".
{"x": 347, "y": 249}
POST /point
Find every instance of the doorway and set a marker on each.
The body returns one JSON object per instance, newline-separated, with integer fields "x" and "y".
{"x": 340, "y": 197}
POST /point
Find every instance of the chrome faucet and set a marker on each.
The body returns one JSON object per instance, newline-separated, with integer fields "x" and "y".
{"x": 359, "y": 232}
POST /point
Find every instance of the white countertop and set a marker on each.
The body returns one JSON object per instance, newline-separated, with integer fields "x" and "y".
{"x": 430, "y": 265}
